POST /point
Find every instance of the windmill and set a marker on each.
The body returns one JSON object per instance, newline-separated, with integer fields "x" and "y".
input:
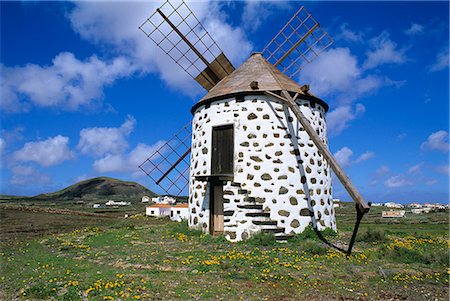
{"x": 259, "y": 159}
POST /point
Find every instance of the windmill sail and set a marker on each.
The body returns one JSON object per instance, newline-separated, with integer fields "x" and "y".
{"x": 176, "y": 30}
{"x": 168, "y": 166}
{"x": 299, "y": 42}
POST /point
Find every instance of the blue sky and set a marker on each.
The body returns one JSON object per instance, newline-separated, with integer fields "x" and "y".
{"x": 84, "y": 93}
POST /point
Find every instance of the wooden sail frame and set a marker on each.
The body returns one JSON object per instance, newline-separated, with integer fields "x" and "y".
{"x": 298, "y": 43}
{"x": 177, "y": 31}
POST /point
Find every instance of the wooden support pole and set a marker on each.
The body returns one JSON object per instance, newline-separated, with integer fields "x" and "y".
{"x": 323, "y": 149}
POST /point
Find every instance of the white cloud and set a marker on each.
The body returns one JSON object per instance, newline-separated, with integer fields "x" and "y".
{"x": 401, "y": 136}
{"x": 344, "y": 157}
{"x": 415, "y": 29}
{"x": 442, "y": 61}
{"x": 339, "y": 118}
{"x": 24, "y": 175}
{"x": 379, "y": 173}
{"x": 348, "y": 35}
{"x": 67, "y": 83}
{"x": 436, "y": 141}
{"x": 431, "y": 182}
{"x": 128, "y": 162}
{"x": 21, "y": 175}
{"x": 384, "y": 51}
{"x": 49, "y": 152}
{"x": 2, "y": 146}
{"x": 443, "y": 169}
{"x": 397, "y": 181}
{"x": 416, "y": 168}
{"x": 336, "y": 72}
{"x": 105, "y": 24}
{"x": 382, "y": 170}
{"x": 98, "y": 141}
{"x": 256, "y": 13}
{"x": 365, "y": 156}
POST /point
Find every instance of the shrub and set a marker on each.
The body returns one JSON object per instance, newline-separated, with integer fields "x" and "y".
{"x": 314, "y": 247}
{"x": 261, "y": 239}
{"x": 372, "y": 235}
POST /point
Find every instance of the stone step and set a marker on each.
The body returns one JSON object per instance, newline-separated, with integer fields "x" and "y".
{"x": 282, "y": 237}
{"x": 265, "y": 222}
{"x": 274, "y": 230}
{"x": 250, "y": 206}
{"x": 258, "y": 214}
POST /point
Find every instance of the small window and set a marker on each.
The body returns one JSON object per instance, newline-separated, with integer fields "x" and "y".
{"x": 171, "y": 213}
{"x": 178, "y": 211}
{"x": 153, "y": 212}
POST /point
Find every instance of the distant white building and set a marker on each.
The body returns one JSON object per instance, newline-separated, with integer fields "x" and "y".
{"x": 145, "y": 199}
{"x": 119, "y": 203}
{"x": 179, "y": 212}
{"x": 415, "y": 205}
{"x": 158, "y": 210}
{"x": 393, "y": 205}
{"x": 376, "y": 205}
{"x": 420, "y": 210}
{"x": 393, "y": 214}
{"x": 164, "y": 200}
{"x": 336, "y": 203}
{"x": 96, "y": 206}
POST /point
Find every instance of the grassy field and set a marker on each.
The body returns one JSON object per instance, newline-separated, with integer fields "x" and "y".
{"x": 55, "y": 257}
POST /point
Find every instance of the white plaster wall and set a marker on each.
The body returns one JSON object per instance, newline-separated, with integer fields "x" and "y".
{"x": 275, "y": 164}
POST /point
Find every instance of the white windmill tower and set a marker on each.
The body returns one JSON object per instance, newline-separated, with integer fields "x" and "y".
{"x": 259, "y": 156}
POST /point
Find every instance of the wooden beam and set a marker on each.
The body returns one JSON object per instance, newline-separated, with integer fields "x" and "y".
{"x": 342, "y": 176}
{"x": 296, "y": 45}
{"x": 211, "y": 73}
{"x": 173, "y": 166}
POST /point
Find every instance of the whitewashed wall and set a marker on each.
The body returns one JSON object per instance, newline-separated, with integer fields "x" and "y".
{"x": 276, "y": 165}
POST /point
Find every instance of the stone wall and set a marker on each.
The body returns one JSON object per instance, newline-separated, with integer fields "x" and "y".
{"x": 276, "y": 167}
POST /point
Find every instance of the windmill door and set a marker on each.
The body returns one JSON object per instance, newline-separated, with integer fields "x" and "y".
{"x": 221, "y": 166}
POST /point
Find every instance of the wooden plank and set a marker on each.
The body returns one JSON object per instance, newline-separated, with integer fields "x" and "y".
{"x": 342, "y": 176}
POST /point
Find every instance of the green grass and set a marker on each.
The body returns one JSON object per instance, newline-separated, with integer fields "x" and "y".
{"x": 155, "y": 259}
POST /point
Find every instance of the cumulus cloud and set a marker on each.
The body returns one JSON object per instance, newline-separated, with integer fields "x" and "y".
{"x": 384, "y": 51}
{"x": 98, "y": 141}
{"x": 256, "y": 13}
{"x": 2, "y": 146}
{"x": 436, "y": 141}
{"x": 67, "y": 83}
{"x": 443, "y": 169}
{"x": 365, "y": 156}
{"x": 379, "y": 173}
{"x": 22, "y": 174}
{"x": 339, "y": 118}
{"x": 104, "y": 24}
{"x": 382, "y": 170}
{"x": 128, "y": 162}
{"x": 49, "y": 152}
{"x": 349, "y": 35}
{"x": 345, "y": 154}
{"x": 337, "y": 72}
{"x": 415, "y": 29}
{"x": 397, "y": 181}
{"x": 441, "y": 62}
{"x": 416, "y": 168}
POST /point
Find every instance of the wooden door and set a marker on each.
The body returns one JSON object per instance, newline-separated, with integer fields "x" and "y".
{"x": 222, "y": 154}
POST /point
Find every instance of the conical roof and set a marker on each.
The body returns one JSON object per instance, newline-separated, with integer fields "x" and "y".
{"x": 258, "y": 69}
